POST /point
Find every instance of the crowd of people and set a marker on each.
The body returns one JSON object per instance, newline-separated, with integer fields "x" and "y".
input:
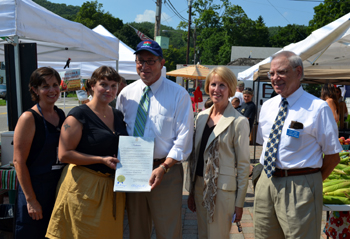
{"x": 66, "y": 165}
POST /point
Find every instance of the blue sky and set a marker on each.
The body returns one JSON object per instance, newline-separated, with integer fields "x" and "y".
{"x": 274, "y": 12}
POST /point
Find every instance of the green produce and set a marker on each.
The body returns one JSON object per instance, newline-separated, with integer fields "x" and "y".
{"x": 332, "y": 182}
{"x": 344, "y": 160}
{"x": 337, "y": 171}
{"x": 346, "y": 170}
{"x": 341, "y": 166}
{"x": 343, "y": 192}
{"x": 335, "y": 200}
{"x": 332, "y": 188}
{"x": 342, "y": 153}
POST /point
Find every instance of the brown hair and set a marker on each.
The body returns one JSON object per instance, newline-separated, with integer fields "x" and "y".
{"x": 103, "y": 72}
{"x": 328, "y": 91}
{"x": 38, "y": 78}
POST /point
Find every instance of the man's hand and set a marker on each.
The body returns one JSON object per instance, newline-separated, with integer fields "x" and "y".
{"x": 156, "y": 177}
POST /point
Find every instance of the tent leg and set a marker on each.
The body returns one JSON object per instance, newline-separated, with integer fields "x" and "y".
{"x": 18, "y": 78}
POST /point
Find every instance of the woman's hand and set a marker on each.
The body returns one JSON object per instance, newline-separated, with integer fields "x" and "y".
{"x": 191, "y": 204}
{"x": 34, "y": 210}
{"x": 110, "y": 161}
{"x": 239, "y": 213}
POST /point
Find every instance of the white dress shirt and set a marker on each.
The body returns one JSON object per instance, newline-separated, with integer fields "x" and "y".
{"x": 169, "y": 120}
{"x": 238, "y": 95}
{"x": 319, "y": 135}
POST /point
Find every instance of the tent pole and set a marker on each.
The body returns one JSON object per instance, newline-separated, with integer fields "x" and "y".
{"x": 256, "y": 115}
{"x": 18, "y": 77}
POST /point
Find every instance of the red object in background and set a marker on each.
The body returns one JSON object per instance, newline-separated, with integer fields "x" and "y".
{"x": 63, "y": 86}
{"x": 193, "y": 104}
{"x": 198, "y": 95}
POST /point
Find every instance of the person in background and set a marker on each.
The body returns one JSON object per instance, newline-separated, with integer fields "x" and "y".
{"x": 342, "y": 108}
{"x": 248, "y": 108}
{"x": 35, "y": 145}
{"x": 219, "y": 164}
{"x": 239, "y": 92}
{"x": 169, "y": 122}
{"x": 235, "y": 103}
{"x": 328, "y": 94}
{"x": 295, "y": 129}
{"x": 86, "y": 206}
{"x": 121, "y": 86}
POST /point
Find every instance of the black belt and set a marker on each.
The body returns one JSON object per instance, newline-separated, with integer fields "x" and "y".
{"x": 157, "y": 162}
{"x": 294, "y": 172}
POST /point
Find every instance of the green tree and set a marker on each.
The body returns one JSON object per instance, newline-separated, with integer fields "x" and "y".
{"x": 92, "y": 15}
{"x": 68, "y": 12}
{"x": 327, "y": 12}
{"x": 288, "y": 34}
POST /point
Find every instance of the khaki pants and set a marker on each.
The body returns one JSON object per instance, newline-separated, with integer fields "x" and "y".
{"x": 163, "y": 205}
{"x": 224, "y": 209}
{"x": 288, "y": 207}
{"x": 200, "y": 210}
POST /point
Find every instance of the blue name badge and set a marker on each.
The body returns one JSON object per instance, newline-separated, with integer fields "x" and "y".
{"x": 293, "y": 133}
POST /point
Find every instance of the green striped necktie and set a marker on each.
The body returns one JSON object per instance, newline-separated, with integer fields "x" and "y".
{"x": 142, "y": 112}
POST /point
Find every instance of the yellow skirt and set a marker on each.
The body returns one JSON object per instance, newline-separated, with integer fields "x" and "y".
{"x": 84, "y": 206}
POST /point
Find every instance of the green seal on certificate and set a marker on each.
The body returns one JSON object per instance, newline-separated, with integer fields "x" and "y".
{"x": 121, "y": 178}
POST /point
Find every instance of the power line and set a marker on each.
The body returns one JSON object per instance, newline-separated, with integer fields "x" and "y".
{"x": 175, "y": 11}
{"x": 285, "y": 18}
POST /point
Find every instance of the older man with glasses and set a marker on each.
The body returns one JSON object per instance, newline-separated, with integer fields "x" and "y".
{"x": 167, "y": 117}
{"x": 296, "y": 129}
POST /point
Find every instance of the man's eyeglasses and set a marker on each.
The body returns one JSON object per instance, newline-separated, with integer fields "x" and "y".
{"x": 248, "y": 89}
{"x": 149, "y": 62}
{"x": 272, "y": 74}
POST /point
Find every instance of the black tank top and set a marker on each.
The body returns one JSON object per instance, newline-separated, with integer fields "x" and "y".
{"x": 40, "y": 134}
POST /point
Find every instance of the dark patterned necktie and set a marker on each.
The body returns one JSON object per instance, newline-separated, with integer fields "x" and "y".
{"x": 274, "y": 139}
{"x": 142, "y": 112}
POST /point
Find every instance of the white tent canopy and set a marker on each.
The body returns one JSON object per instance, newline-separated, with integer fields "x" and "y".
{"x": 325, "y": 48}
{"x": 57, "y": 38}
{"x": 126, "y": 64}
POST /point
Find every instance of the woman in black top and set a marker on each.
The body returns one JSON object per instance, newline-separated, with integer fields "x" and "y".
{"x": 89, "y": 143}
{"x": 35, "y": 155}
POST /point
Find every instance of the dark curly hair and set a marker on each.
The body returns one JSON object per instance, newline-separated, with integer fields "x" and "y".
{"x": 38, "y": 78}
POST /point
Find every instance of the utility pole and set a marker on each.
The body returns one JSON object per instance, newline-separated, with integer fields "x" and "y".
{"x": 189, "y": 29}
{"x": 194, "y": 45}
{"x": 157, "y": 22}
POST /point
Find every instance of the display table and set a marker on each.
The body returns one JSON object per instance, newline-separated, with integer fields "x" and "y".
{"x": 8, "y": 178}
{"x": 9, "y": 182}
{"x": 335, "y": 207}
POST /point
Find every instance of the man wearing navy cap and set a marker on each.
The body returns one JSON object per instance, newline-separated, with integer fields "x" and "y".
{"x": 169, "y": 120}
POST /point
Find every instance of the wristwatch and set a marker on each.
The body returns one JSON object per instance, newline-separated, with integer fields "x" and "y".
{"x": 165, "y": 167}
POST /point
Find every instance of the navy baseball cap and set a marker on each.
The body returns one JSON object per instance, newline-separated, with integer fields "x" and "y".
{"x": 151, "y": 46}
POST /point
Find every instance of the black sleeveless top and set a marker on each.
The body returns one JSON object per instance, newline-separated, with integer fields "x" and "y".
{"x": 200, "y": 163}
{"x": 40, "y": 134}
{"x": 97, "y": 139}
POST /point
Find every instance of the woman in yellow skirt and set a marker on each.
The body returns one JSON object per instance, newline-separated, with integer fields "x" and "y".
{"x": 86, "y": 206}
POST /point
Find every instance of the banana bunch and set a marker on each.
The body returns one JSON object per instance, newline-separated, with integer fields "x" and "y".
{"x": 336, "y": 188}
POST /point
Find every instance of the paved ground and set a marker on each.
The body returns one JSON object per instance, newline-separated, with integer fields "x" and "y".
{"x": 189, "y": 222}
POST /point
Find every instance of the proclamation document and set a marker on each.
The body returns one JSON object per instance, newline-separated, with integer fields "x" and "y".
{"x": 136, "y": 164}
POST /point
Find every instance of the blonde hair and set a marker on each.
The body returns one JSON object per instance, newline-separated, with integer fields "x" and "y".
{"x": 226, "y": 76}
